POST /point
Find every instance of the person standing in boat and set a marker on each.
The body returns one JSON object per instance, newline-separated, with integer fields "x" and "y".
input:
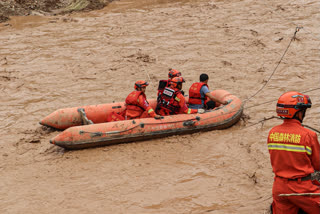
{"x": 137, "y": 105}
{"x": 294, "y": 154}
{"x": 166, "y": 83}
{"x": 199, "y": 95}
{"x": 172, "y": 101}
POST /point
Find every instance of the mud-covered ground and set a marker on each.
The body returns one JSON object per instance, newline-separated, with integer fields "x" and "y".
{"x": 46, "y": 7}
{"x": 53, "y": 62}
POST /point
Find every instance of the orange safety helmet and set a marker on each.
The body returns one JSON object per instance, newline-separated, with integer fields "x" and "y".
{"x": 173, "y": 73}
{"x": 291, "y": 102}
{"x": 176, "y": 80}
{"x": 140, "y": 84}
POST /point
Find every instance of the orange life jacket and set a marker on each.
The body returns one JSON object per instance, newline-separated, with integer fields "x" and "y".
{"x": 167, "y": 101}
{"x": 195, "y": 95}
{"x": 134, "y": 110}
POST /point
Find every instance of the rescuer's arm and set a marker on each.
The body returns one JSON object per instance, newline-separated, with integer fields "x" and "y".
{"x": 145, "y": 105}
{"x": 183, "y": 105}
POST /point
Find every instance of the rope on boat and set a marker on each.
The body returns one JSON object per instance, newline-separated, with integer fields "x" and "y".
{"x": 142, "y": 125}
{"x": 292, "y": 39}
{"x": 300, "y": 194}
{"x": 197, "y": 118}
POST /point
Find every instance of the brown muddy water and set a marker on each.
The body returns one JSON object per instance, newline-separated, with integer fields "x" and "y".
{"x": 53, "y": 62}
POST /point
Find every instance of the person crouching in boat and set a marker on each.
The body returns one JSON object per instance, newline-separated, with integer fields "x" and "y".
{"x": 166, "y": 83}
{"x": 172, "y": 101}
{"x": 137, "y": 105}
{"x": 200, "y": 96}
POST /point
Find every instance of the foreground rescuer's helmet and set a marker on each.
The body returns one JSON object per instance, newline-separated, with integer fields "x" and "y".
{"x": 173, "y": 73}
{"x": 291, "y": 102}
{"x": 140, "y": 84}
{"x": 176, "y": 80}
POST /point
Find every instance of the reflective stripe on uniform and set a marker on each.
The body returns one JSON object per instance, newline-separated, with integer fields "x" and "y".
{"x": 291, "y": 148}
{"x": 189, "y": 110}
{"x": 177, "y": 99}
{"x": 150, "y": 110}
{"x": 309, "y": 150}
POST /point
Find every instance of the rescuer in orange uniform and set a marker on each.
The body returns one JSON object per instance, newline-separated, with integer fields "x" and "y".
{"x": 200, "y": 96}
{"x": 172, "y": 101}
{"x": 166, "y": 83}
{"x": 137, "y": 105}
{"x": 294, "y": 154}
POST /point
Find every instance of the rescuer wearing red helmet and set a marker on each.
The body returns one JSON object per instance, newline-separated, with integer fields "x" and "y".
{"x": 294, "y": 154}
{"x": 137, "y": 105}
{"x": 200, "y": 96}
{"x": 166, "y": 83}
{"x": 171, "y": 101}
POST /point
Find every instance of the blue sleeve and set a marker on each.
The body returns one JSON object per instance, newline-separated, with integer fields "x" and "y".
{"x": 204, "y": 90}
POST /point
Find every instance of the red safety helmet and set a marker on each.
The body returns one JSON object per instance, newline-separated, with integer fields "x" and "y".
{"x": 176, "y": 80}
{"x": 173, "y": 73}
{"x": 140, "y": 84}
{"x": 291, "y": 102}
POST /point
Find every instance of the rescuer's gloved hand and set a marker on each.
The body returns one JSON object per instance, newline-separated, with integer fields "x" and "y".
{"x": 201, "y": 111}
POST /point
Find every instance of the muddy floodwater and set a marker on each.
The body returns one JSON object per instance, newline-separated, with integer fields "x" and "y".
{"x": 53, "y": 62}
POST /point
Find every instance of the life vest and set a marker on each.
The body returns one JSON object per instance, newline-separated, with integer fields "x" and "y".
{"x": 168, "y": 101}
{"x": 133, "y": 108}
{"x": 195, "y": 95}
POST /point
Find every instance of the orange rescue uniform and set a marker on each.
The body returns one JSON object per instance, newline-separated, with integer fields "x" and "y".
{"x": 138, "y": 106}
{"x": 174, "y": 105}
{"x": 294, "y": 154}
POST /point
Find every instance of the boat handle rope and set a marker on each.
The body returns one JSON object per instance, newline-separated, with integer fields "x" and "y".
{"x": 99, "y": 134}
{"x": 142, "y": 125}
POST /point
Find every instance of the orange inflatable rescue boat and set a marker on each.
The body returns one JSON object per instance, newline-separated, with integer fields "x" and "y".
{"x": 102, "y": 133}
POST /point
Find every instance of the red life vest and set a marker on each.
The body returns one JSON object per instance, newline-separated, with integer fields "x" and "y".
{"x": 167, "y": 101}
{"x": 133, "y": 108}
{"x": 195, "y": 95}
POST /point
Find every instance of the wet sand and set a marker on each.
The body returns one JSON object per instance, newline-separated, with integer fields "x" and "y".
{"x": 48, "y": 63}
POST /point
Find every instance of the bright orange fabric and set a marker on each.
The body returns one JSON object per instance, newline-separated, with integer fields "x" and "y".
{"x": 138, "y": 106}
{"x": 113, "y": 116}
{"x": 183, "y": 108}
{"x": 294, "y": 153}
{"x": 291, "y": 204}
{"x": 195, "y": 95}
{"x": 289, "y": 164}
